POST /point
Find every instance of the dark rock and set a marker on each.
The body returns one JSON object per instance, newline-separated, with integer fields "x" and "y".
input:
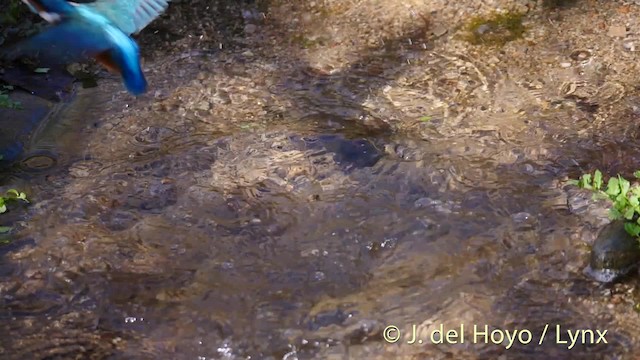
{"x": 347, "y": 153}
{"x": 19, "y": 123}
{"x": 614, "y": 253}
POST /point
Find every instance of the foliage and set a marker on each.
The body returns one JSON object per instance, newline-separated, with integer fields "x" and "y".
{"x": 12, "y": 13}
{"x": 5, "y": 100}
{"x": 11, "y": 195}
{"x": 624, "y": 196}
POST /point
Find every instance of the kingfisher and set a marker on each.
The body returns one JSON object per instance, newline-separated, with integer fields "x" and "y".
{"x": 99, "y": 30}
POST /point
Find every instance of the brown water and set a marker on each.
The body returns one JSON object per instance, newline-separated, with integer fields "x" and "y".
{"x": 256, "y": 205}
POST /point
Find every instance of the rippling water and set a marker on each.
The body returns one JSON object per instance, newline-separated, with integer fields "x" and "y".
{"x": 264, "y": 211}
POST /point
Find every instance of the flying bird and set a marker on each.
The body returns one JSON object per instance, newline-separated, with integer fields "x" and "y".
{"x": 99, "y": 30}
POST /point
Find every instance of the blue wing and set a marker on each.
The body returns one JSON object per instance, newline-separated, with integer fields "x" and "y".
{"x": 96, "y": 30}
{"x": 69, "y": 41}
{"x": 130, "y": 16}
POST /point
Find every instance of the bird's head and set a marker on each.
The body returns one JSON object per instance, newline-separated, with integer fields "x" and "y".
{"x": 50, "y": 10}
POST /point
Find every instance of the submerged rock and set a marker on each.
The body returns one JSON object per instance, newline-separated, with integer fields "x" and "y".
{"x": 348, "y": 154}
{"x": 498, "y": 29}
{"x": 614, "y": 254}
{"x": 20, "y": 122}
{"x": 32, "y": 99}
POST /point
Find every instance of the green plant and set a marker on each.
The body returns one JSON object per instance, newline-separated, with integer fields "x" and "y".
{"x": 5, "y": 100}
{"x": 11, "y": 195}
{"x": 12, "y": 13}
{"x": 624, "y": 196}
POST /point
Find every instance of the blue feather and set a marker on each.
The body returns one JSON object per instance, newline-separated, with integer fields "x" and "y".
{"x": 130, "y": 16}
{"x": 79, "y": 38}
{"x": 98, "y": 30}
{"x": 70, "y": 41}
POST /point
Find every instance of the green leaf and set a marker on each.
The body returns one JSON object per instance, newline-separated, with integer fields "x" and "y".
{"x": 632, "y": 229}
{"x": 5, "y": 229}
{"x": 613, "y": 187}
{"x": 586, "y": 181}
{"x": 633, "y": 201}
{"x": 3, "y": 208}
{"x": 574, "y": 182}
{"x": 7, "y": 103}
{"x": 620, "y": 200}
{"x": 637, "y": 174}
{"x": 624, "y": 185}
{"x": 41, "y": 70}
{"x": 597, "y": 180}
{"x": 425, "y": 118}
{"x": 614, "y": 214}
{"x": 15, "y": 194}
{"x": 628, "y": 214}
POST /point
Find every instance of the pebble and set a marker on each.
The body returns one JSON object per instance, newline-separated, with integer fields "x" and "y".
{"x": 250, "y": 28}
{"x": 439, "y": 31}
{"x": 629, "y": 46}
{"x": 203, "y": 105}
{"x": 617, "y": 31}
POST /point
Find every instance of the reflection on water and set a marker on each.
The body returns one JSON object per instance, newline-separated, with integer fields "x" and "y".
{"x": 297, "y": 227}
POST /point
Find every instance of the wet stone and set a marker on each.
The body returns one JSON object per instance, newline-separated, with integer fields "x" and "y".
{"x": 580, "y": 55}
{"x": 614, "y": 254}
{"x": 348, "y": 154}
{"x": 629, "y": 46}
{"x": 198, "y": 160}
{"x": 19, "y": 123}
{"x": 403, "y": 152}
{"x": 39, "y": 162}
{"x": 524, "y": 221}
{"x": 156, "y": 197}
{"x": 118, "y": 220}
{"x": 203, "y": 105}
{"x": 580, "y": 202}
{"x": 336, "y": 317}
{"x": 362, "y": 331}
{"x": 250, "y": 28}
{"x": 155, "y": 168}
{"x": 55, "y": 85}
{"x": 617, "y": 31}
{"x": 153, "y": 134}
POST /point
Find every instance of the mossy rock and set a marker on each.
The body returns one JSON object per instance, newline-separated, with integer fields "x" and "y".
{"x": 495, "y": 30}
